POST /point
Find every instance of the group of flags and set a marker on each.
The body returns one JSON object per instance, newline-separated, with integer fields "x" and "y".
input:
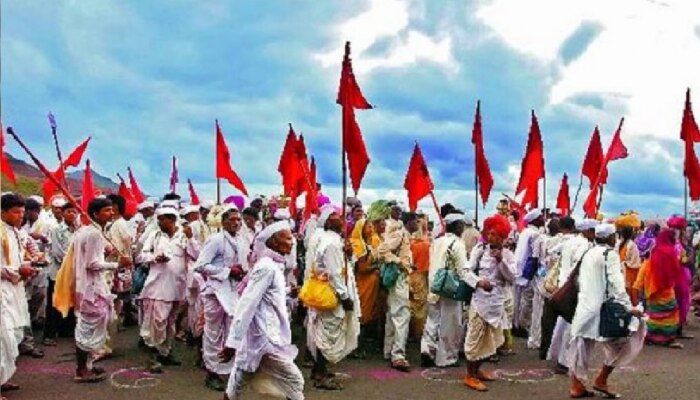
{"x": 298, "y": 171}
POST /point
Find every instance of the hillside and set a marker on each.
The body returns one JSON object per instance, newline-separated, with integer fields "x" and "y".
{"x": 30, "y": 179}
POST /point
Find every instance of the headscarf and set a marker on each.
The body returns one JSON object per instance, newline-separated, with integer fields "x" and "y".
{"x": 677, "y": 222}
{"x": 631, "y": 220}
{"x": 497, "y": 224}
{"x": 378, "y": 210}
{"x": 357, "y": 239}
{"x": 663, "y": 264}
{"x": 645, "y": 242}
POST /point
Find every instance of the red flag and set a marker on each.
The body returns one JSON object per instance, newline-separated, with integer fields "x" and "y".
{"x": 194, "y": 199}
{"x": 689, "y": 128}
{"x": 73, "y": 160}
{"x": 223, "y": 163}
{"x": 617, "y": 149}
{"x": 690, "y": 134}
{"x": 135, "y": 189}
{"x": 303, "y": 161}
{"x": 563, "y": 200}
{"x": 482, "y": 171}
{"x": 288, "y": 166}
{"x": 418, "y": 182}
{"x": 593, "y": 162}
{"x": 88, "y": 191}
{"x": 311, "y": 203}
{"x": 532, "y": 169}
{"x": 590, "y": 207}
{"x": 4, "y": 163}
{"x": 350, "y": 97}
{"x": 349, "y": 93}
{"x": 131, "y": 207}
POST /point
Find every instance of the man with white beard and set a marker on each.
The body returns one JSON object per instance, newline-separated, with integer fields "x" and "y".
{"x": 223, "y": 263}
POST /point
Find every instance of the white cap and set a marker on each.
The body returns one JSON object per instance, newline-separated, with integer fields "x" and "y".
{"x": 604, "y": 231}
{"x": 454, "y": 217}
{"x": 586, "y": 224}
{"x": 145, "y": 205}
{"x": 326, "y": 212}
{"x": 189, "y": 210}
{"x": 171, "y": 203}
{"x": 38, "y": 199}
{"x": 282, "y": 213}
{"x": 166, "y": 211}
{"x": 58, "y": 201}
{"x": 272, "y": 229}
{"x": 532, "y": 215}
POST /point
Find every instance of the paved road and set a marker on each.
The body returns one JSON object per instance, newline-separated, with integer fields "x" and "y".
{"x": 657, "y": 373}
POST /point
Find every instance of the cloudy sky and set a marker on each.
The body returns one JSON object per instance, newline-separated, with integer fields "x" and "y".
{"x": 147, "y": 80}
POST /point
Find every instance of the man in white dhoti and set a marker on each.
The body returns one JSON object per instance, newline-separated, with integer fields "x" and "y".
{"x": 223, "y": 264}
{"x": 491, "y": 273}
{"x": 14, "y": 309}
{"x": 601, "y": 276}
{"x": 332, "y": 335}
{"x": 94, "y": 302}
{"x": 396, "y": 248}
{"x": 260, "y": 341}
{"x": 527, "y": 253}
{"x": 571, "y": 252}
{"x": 167, "y": 252}
{"x": 443, "y": 334}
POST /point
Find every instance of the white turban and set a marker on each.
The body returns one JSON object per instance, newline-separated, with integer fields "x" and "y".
{"x": 326, "y": 212}
{"x": 604, "y": 231}
{"x": 586, "y": 224}
{"x": 189, "y": 210}
{"x": 454, "y": 217}
{"x": 145, "y": 205}
{"x": 171, "y": 203}
{"x": 532, "y": 215}
{"x": 282, "y": 213}
{"x": 38, "y": 199}
{"x": 166, "y": 211}
{"x": 58, "y": 201}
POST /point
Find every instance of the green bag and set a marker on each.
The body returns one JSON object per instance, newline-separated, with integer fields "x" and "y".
{"x": 389, "y": 274}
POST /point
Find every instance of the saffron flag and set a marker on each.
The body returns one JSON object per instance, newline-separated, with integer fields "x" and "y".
{"x": 139, "y": 197}
{"x": 194, "y": 199}
{"x": 482, "y": 169}
{"x": 418, "y": 183}
{"x": 73, "y": 160}
{"x": 350, "y": 97}
{"x": 593, "y": 162}
{"x": 532, "y": 168}
{"x": 563, "y": 199}
{"x": 223, "y": 163}
{"x": 88, "y": 191}
{"x": 311, "y": 201}
{"x": 690, "y": 134}
{"x": 4, "y": 163}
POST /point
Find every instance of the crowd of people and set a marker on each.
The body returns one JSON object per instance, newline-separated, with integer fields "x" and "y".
{"x": 233, "y": 282}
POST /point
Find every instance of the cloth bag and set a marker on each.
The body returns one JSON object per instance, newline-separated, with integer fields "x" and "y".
{"x": 389, "y": 275}
{"x": 317, "y": 293}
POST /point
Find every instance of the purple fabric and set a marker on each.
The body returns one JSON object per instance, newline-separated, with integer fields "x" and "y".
{"x": 322, "y": 200}
{"x": 645, "y": 242}
{"x": 237, "y": 200}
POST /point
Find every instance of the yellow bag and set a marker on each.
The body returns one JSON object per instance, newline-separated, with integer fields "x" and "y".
{"x": 317, "y": 293}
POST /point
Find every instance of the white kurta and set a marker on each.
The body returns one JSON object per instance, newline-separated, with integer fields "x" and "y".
{"x": 94, "y": 300}
{"x": 14, "y": 311}
{"x": 201, "y": 231}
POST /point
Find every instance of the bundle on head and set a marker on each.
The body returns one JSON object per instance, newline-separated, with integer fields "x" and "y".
{"x": 378, "y": 210}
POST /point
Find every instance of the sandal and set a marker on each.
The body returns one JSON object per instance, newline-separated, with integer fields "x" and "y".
{"x": 486, "y": 376}
{"x": 48, "y": 342}
{"x": 475, "y": 384}
{"x": 675, "y": 345}
{"x": 606, "y": 393}
{"x": 90, "y": 377}
{"x": 328, "y": 383}
{"x": 9, "y": 386}
{"x": 401, "y": 365}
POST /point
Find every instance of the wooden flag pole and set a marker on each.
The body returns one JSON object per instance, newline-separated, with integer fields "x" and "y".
{"x": 344, "y": 168}
{"x": 437, "y": 209}
{"x": 58, "y": 151}
{"x": 600, "y": 198}
{"x": 60, "y": 187}
{"x": 578, "y": 191}
{"x": 685, "y": 196}
{"x": 218, "y": 191}
{"x": 476, "y": 191}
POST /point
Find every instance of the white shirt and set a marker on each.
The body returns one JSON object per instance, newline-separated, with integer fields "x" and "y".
{"x": 329, "y": 260}
{"x": 491, "y": 305}
{"x": 571, "y": 251}
{"x": 89, "y": 253}
{"x": 167, "y": 281}
{"x": 529, "y": 243}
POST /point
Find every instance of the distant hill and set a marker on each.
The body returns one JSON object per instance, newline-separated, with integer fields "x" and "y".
{"x": 30, "y": 179}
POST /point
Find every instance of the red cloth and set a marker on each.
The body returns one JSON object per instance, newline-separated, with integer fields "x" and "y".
{"x": 88, "y": 191}
{"x": 482, "y": 171}
{"x": 131, "y": 207}
{"x": 194, "y": 199}
{"x": 563, "y": 200}
{"x": 223, "y": 163}
{"x": 73, "y": 160}
{"x": 593, "y": 162}
{"x": 418, "y": 182}
{"x": 689, "y": 128}
{"x": 4, "y": 163}
{"x": 350, "y": 97}
{"x": 664, "y": 265}
{"x": 532, "y": 169}
{"x": 311, "y": 203}
{"x": 288, "y": 166}
{"x": 498, "y": 225}
{"x": 135, "y": 189}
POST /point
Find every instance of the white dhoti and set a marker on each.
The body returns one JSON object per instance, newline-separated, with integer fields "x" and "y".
{"x": 398, "y": 317}
{"x": 483, "y": 339}
{"x": 617, "y": 352}
{"x": 158, "y": 319}
{"x": 276, "y": 376}
{"x": 443, "y": 334}
{"x": 523, "y": 305}
{"x": 535, "y": 338}
{"x": 9, "y": 350}
{"x": 333, "y": 333}
{"x": 92, "y": 320}
{"x": 559, "y": 349}
{"x": 194, "y": 305}
{"x": 217, "y": 324}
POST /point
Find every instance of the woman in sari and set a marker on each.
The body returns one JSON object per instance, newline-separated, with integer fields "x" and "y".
{"x": 655, "y": 284}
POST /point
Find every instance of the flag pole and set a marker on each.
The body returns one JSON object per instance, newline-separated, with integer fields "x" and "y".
{"x": 60, "y": 187}
{"x": 218, "y": 191}
{"x": 437, "y": 209}
{"x": 685, "y": 196}
{"x": 476, "y": 198}
{"x": 344, "y": 168}
{"x": 54, "y": 133}
{"x": 600, "y": 198}
{"x": 578, "y": 191}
